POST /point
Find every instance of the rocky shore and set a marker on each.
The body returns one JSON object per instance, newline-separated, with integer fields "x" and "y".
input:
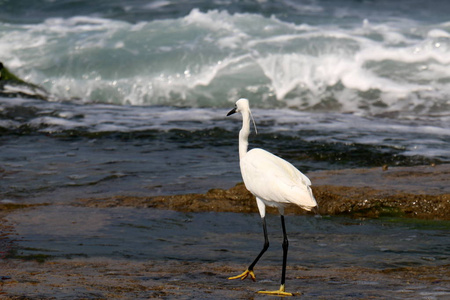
{"x": 121, "y": 279}
{"x": 412, "y": 192}
{"x": 418, "y": 192}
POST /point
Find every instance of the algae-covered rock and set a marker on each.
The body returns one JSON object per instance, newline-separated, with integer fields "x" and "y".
{"x": 417, "y": 192}
{"x": 12, "y": 86}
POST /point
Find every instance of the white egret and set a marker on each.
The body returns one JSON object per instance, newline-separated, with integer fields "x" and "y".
{"x": 274, "y": 182}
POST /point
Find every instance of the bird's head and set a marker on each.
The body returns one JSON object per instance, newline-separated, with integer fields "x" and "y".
{"x": 241, "y": 105}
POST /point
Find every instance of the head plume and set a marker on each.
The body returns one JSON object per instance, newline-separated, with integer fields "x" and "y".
{"x": 243, "y": 104}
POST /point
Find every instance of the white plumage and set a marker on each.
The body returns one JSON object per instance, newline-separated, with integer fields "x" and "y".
{"x": 274, "y": 182}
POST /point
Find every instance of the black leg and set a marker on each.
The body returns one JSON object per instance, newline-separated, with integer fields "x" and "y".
{"x": 249, "y": 271}
{"x": 265, "y": 247}
{"x": 281, "y": 291}
{"x": 285, "y": 250}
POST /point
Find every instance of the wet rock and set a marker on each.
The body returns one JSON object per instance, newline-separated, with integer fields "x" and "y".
{"x": 102, "y": 278}
{"x": 13, "y": 86}
{"x": 419, "y": 192}
{"x": 236, "y": 199}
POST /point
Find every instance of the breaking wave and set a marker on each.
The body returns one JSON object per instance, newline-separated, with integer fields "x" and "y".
{"x": 209, "y": 59}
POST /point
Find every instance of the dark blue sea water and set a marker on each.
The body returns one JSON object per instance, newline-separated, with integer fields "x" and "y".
{"x": 137, "y": 93}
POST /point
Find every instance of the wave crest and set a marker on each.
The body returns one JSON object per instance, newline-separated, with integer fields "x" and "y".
{"x": 208, "y": 59}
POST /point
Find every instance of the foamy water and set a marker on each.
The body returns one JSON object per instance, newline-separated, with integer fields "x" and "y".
{"x": 210, "y": 58}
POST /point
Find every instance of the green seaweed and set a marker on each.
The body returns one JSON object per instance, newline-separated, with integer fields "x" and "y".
{"x": 421, "y": 224}
{"x": 5, "y": 74}
{"x": 377, "y": 211}
{"x": 15, "y": 206}
{"x": 38, "y": 257}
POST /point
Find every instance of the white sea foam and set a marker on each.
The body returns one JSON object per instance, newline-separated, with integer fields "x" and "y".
{"x": 210, "y": 58}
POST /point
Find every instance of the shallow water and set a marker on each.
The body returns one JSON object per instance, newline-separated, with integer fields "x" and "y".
{"x": 137, "y": 98}
{"x": 59, "y": 152}
{"x": 140, "y": 234}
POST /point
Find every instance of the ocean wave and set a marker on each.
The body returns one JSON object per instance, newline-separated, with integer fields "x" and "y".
{"x": 209, "y": 59}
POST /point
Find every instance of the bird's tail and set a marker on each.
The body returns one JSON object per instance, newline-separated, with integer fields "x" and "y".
{"x": 314, "y": 207}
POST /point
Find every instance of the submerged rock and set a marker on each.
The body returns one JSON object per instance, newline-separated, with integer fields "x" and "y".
{"x": 419, "y": 192}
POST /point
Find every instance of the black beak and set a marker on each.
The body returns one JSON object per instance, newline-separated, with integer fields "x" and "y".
{"x": 231, "y": 112}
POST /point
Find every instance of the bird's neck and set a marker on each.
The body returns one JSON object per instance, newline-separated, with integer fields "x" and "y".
{"x": 243, "y": 134}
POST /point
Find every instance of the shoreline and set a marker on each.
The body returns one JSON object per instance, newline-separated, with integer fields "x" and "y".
{"x": 360, "y": 193}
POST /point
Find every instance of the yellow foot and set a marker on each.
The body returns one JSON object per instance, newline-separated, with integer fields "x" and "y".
{"x": 244, "y": 275}
{"x": 280, "y": 292}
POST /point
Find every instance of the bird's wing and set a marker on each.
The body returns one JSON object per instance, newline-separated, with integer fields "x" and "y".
{"x": 273, "y": 179}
